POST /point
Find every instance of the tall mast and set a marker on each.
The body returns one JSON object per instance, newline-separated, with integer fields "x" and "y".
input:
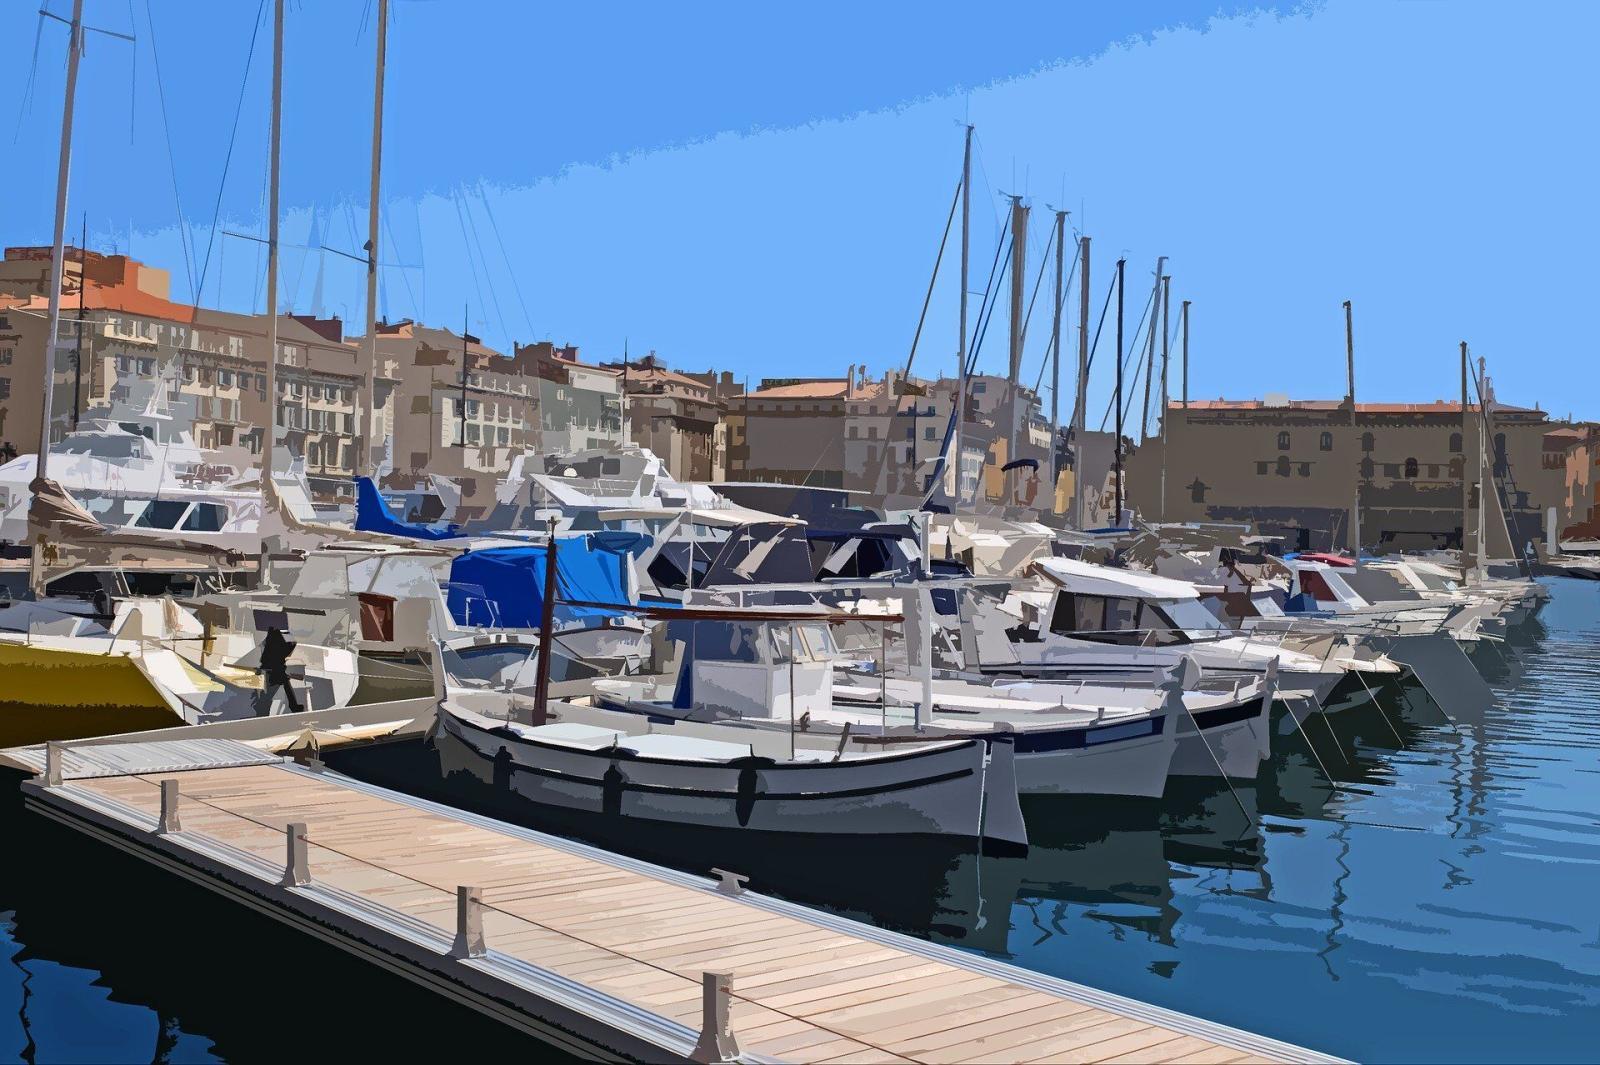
{"x": 1117, "y": 487}
{"x": 1150, "y": 358}
{"x": 1055, "y": 359}
{"x": 372, "y": 230}
{"x": 1080, "y": 403}
{"x": 58, "y": 250}
{"x": 1166, "y": 306}
{"x": 36, "y": 580}
{"x": 1019, "y": 264}
{"x": 1184, "y": 314}
{"x": 1485, "y": 488}
{"x": 1468, "y": 561}
{"x": 1350, "y": 370}
{"x": 272, "y": 252}
{"x": 961, "y": 341}
{"x": 83, "y": 285}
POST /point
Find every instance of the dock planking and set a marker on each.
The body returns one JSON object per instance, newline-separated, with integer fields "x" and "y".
{"x": 603, "y": 954}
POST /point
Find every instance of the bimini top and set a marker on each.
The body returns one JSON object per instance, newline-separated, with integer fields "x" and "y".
{"x": 1086, "y": 578}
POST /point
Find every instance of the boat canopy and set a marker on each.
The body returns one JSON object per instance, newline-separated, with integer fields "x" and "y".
{"x": 504, "y": 586}
{"x": 1086, "y": 578}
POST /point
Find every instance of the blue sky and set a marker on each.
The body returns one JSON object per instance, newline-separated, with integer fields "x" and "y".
{"x": 762, "y": 189}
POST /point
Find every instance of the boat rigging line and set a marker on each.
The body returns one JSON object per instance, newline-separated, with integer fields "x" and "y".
{"x": 227, "y": 158}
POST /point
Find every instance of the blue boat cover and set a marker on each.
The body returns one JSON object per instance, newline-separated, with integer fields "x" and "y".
{"x": 374, "y": 515}
{"x": 511, "y": 581}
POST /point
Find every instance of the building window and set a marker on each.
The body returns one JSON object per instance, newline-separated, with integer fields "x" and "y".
{"x": 1261, "y": 468}
{"x": 1366, "y": 442}
{"x": 1411, "y": 468}
{"x": 927, "y": 434}
{"x": 1283, "y": 465}
{"x": 1197, "y": 491}
{"x": 1283, "y": 441}
{"x": 1305, "y": 469}
{"x": 1455, "y": 443}
{"x": 1368, "y": 468}
{"x": 1327, "y": 442}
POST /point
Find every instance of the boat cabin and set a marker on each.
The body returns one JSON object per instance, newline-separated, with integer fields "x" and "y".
{"x": 1106, "y": 605}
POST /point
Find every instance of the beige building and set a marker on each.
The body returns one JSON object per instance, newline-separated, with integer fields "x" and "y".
{"x": 674, "y": 415}
{"x": 1297, "y": 467}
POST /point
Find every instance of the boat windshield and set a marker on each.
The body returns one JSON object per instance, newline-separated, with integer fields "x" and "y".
{"x": 1194, "y": 619}
{"x": 1115, "y": 619}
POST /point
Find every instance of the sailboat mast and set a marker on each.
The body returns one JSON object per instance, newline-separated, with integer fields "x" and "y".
{"x": 1166, "y": 307}
{"x": 272, "y": 251}
{"x": 1080, "y": 402}
{"x": 58, "y": 250}
{"x": 1184, "y": 314}
{"x": 1350, "y": 369}
{"x": 1055, "y": 358}
{"x": 1019, "y": 280}
{"x": 83, "y": 287}
{"x": 1468, "y": 561}
{"x": 961, "y": 339}
{"x": 371, "y": 431}
{"x": 1150, "y": 358}
{"x": 1121, "y": 274}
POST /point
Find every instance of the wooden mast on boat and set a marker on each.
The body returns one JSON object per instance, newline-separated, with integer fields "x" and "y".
{"x": 1055, "y": 360}
{"x": 268, "y": 443}
{"x": 1350, "y": 369}
{"x": 1080, "y": 404}
{"x": 36, "y": 577}
{"x": 961, "y": 339}
{"x": 371, "y": 428}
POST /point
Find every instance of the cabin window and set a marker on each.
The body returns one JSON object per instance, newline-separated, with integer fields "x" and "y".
{"x": 1326, "y": 444}
{"x": 205, "y": 517}
{"x": 1283, "y": 441}
{"x": 1114, "y": 619}
{"x": 1455, "y": 442}
{"x": 1313, "y": 584}
{"x": 162, "y": 514}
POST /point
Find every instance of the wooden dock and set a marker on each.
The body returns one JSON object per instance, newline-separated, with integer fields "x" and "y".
{"x": 594, "y": 952}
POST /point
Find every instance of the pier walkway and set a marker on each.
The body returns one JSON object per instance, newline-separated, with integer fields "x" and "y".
{"x": 597, "y": 953}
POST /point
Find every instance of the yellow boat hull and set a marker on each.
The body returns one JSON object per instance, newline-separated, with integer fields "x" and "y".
{"x": 49, "y": 693}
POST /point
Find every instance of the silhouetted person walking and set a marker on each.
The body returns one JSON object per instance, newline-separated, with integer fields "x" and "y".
{"x": 274, "y": 670}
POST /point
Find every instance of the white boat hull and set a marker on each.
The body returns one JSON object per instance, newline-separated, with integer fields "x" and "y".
{"x": 1237, "y": 745}
{"x": 932, "y": 792}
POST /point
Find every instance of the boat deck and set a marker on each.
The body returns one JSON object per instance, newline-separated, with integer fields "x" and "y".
{"x": 593, "y": 951}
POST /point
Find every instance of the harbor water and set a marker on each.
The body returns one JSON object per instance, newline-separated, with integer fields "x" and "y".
{"x": 1434, "y": 903}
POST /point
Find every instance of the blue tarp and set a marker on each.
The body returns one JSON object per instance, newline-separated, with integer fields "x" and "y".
{"x": 510, "y": 580}
{"x": 374, "y": 515}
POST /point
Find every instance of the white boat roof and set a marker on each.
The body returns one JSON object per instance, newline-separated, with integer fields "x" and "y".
{"x": 716, "y": 517}
{"x": 1087, "y": 578}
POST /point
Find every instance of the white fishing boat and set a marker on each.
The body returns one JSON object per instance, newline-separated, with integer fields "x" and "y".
{"x": 730, "y": 776}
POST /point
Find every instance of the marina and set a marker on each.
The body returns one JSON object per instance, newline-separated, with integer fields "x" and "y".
{"x": 409, "y": 695}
